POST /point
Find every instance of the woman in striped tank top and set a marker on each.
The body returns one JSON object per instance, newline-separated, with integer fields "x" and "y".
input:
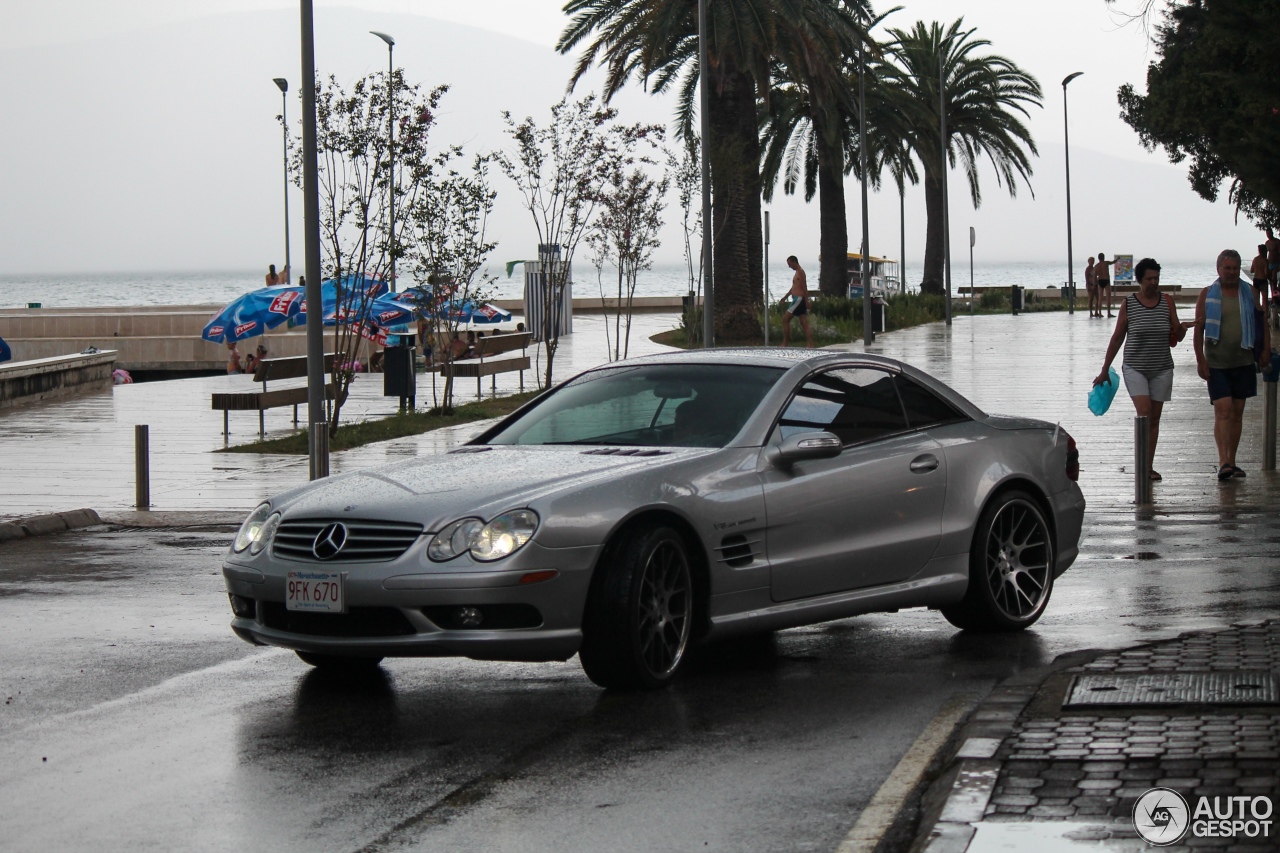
{"x": 1148, "y": 326}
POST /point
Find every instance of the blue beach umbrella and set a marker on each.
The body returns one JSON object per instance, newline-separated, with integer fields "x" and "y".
{"x": 364, "y": 298}
{"x": 254, "y": 313}
{"x": 5, "y": 352}
{"x": 462, "y": 311}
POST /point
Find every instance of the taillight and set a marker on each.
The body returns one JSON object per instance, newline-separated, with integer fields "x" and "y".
{"x": 1073, "y": 460}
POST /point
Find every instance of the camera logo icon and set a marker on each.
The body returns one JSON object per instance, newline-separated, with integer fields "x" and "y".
{"x": 1161, "y": 816}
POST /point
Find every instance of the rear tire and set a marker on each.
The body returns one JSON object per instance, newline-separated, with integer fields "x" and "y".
{"x": 1010, "y": 567}
{"x": 639, "y": 614}
{"x": 340, "y": 663}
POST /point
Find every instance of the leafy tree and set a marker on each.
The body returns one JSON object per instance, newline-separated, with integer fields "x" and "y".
{"x": 1214, "y": 98}
{"x": 685, "y": 171}
{"x": 560, "y": 171}
{"x": 657, "y": 41}
{"x": 626, "y": 232}
{"x": 355, "y": 191}
{"x": 446, "y": 233}
{"x": 986, "y": 98}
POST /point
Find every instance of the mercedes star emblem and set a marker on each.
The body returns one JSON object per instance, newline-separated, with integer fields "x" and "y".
{"x": 329, "y": 541}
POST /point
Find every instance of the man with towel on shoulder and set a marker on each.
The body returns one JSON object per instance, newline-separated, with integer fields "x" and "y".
{"x": 1229, "y": 355}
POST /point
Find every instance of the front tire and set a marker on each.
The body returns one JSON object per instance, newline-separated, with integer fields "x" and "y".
{"x": 639, "y": 613}
{"x": 1010, "y": 567}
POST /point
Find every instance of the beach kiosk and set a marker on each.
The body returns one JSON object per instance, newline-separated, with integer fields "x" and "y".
{"x": 882, "y": 273}
{"x": 536, "y": 284}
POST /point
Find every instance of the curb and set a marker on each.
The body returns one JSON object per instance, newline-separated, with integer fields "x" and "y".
{"x": 958, "y": 796}
{"x": 43, "y": 525}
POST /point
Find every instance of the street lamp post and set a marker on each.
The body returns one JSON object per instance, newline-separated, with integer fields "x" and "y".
{"x": 1066, "y": 153}
{"x": 864, "y": 274}
{"x": 704, "y": 92}
{"x": 946, "y": 201}
{"x": 391, "y": 152}
{"x": 317, "y": 423}
{"x": 283, "y": 85}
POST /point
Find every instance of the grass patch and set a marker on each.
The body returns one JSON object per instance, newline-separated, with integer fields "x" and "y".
{"x": 396, "y": 426}
{"x": 837, "y": 320}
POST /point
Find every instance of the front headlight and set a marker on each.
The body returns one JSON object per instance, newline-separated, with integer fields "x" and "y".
{"x": 267, "y": 531}
{"x": 251, "y": 530}
{"x": 501, "y": 537}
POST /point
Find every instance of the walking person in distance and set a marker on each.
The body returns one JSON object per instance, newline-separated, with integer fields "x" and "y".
{"x": 1148, "y": 326}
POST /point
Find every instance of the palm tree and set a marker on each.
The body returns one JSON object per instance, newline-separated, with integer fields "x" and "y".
{"x": 657, "y": 40}
{"x": 986, "y": 99}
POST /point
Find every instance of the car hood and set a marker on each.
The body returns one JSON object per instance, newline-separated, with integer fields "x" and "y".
{"x": 474, "y": 480}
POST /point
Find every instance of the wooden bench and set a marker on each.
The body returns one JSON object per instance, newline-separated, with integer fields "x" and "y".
{"x": 485, "y": 365}
{"x": 271, "y": 369}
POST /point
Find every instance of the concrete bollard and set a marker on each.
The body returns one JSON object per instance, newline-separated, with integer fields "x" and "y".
{"x": 318, "y": 439}
{"x": 142, "y": 466}
{"x": 1142, "y": 460}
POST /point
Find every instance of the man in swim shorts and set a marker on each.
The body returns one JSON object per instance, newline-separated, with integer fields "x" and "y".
{"x": 796, "y": 304}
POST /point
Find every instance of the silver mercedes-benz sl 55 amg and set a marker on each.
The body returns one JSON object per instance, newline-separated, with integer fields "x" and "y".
{"x": 662, "y": 501}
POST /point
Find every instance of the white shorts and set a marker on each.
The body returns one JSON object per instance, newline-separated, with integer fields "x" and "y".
{"x": 1158, "y": 387}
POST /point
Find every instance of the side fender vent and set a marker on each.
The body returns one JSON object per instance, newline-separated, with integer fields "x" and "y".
{"x": 737, "y": 550}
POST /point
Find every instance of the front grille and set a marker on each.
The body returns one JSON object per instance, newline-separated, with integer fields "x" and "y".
{"x": 366, "y": 541}
{"x": 357, "y": 622}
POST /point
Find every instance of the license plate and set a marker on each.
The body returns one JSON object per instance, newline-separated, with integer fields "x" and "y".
{"x": 316, "y": 592}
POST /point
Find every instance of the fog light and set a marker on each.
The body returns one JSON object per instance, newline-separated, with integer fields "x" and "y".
{"x": 245, "y": 608}
{"x": 469, "y": 617}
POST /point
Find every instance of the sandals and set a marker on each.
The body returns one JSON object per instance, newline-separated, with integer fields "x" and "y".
{"x": 1237, "y": 473}
{"x": 1225, "y": 472}
{"x": 1155, "y": 477}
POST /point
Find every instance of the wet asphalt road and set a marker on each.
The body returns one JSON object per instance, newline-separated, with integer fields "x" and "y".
{"x": 134, "y": 720}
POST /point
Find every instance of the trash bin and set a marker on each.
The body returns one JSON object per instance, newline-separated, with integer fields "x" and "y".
{"x": 878, "y": 314}
{"x": 1015, "y": 297}
{"x": 398, "y": 378}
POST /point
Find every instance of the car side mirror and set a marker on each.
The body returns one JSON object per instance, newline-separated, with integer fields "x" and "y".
{"x": 809, "y": 445}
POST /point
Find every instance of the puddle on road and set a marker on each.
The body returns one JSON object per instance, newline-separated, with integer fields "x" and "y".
{"x": 1045, "y": 837}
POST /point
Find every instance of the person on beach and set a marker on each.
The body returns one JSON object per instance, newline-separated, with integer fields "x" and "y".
{"x": 1102, "y": 275}
{"x": 1261, "y": 276}
{"x": 234, "y": 364}
{"x": 1148, "y": 326}
{"x": 1091, "y": 286}
{"x": 1226, "y": 333}
{"x": 274, "y": 278}
{"x": 254, "y": 359}
{"x": 796, "y": 304}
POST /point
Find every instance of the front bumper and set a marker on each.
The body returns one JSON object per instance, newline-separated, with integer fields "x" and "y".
{"x": 390, "y": 606}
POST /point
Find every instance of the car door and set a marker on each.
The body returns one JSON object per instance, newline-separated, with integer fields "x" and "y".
{"x": 870, "y": 516}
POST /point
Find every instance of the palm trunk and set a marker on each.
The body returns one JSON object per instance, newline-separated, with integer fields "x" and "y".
{"x": 833, "y": 238}
{"x": 737, "y": 253}
{"x": 933, "y": 250}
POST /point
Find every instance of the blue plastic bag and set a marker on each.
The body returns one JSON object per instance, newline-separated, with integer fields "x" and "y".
{"x": 1101, "y": 396}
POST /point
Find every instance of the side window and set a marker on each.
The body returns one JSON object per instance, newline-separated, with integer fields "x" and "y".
{"x": 924, "y": 408}
{"x": 857, "y": 404}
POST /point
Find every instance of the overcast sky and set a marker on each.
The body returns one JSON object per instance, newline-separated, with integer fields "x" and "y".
{"x": 140, "y": 134}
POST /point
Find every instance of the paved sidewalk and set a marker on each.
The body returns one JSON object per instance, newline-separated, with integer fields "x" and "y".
{"x": 1025, "y": 774}
{"x": 78, "y": 452}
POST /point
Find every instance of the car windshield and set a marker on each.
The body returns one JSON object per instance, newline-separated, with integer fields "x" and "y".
{"x": 658, "y": 405}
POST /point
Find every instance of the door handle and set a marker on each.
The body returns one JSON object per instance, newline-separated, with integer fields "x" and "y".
{"x": 924, "y": 464}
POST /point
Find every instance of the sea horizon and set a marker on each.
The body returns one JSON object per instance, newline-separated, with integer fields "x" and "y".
{"x": 218, "y": 287}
